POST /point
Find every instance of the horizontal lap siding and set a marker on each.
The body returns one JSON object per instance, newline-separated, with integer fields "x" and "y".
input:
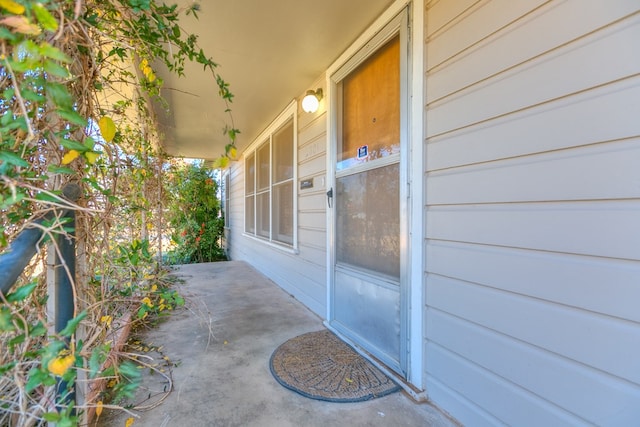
{"x": 532, "y": 188}
{"x": 302, "y": 274}
{"x": 236, "y": 205}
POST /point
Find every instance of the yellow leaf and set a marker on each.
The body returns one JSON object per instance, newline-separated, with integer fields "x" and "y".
{"x": 70, "y": 157}
{"x": 107, "y": 128}
{"x": 99, "y": 408}
{"x": 146, "y": 301}
{"x": 147, "y": 71}
{"x": 129, "y": 422}
{"x": 91, "y": 156}
{"x": 12, "y": 7}
{"x": 224, "y": 162}
{"x": 60, "y": 365}
{"x": 233, "y": 153}
{"x": 107, "y": 320}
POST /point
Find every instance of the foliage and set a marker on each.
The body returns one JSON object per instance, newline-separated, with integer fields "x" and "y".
{"x": 194, "y": 212}
{"x": 159, "y": 301}
{"x": 76, "y": 79}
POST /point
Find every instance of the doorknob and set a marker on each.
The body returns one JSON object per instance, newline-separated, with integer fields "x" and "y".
{"x": 329, "y": 197}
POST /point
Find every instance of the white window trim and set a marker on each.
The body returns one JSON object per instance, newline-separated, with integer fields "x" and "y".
{"x": 289, "y": 113}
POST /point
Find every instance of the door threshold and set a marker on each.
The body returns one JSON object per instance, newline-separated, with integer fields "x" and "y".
{"x": 417, "y": 395}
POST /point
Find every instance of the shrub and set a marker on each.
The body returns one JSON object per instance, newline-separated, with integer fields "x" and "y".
{"x": 194, "y": 213}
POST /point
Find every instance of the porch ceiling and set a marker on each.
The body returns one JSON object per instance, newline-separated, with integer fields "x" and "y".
{"x": 268, "y": 51}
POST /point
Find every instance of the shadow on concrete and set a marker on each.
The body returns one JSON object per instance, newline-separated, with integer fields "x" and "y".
{"x": 216, "y": 352}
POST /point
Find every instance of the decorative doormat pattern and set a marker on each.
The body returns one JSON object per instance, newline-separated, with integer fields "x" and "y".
{"x": 321, "y": 366}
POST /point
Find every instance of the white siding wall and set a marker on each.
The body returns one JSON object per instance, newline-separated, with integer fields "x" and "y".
{"x": 302, "y": 274}
{"x": 533, "y": 211}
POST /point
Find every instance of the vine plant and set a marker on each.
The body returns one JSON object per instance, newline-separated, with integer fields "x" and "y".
{"x": 76, "y": 80}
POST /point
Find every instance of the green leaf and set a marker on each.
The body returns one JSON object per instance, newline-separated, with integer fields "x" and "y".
{"x": 67, "y": 422}
{"x": 13, "y": 159}
{"x": 19, "y": 339}
{"x": 37, "y": 376}
{"x": 6, "y": 323}
{"x": 59, "y": 95}
{"x": 30, "y": 95}
{"x": 6, "y": 368}
{"x": 73, "y": 145}
{"x": 142, "y": 310}
{"x": 98, "y": 356}
{"x": 109, "y": 372}
{"x": 22, "y": 292}
{"x": 72, "y": 324}
{"x": 60, "y": 170}
{"x": 92, "y": 18}
{"x": 15, "y": 122}
{"x": 55, "y": 69}
{"x": 5, "y": 34}
{"x": 129, "y": 370}
{"x": 21, "y": 66}
{"x": 51, "y": 351}
{"x": 89, "y": 143}
{"x": 52, "y": 52}
{"x": 179, "y": 300}
{"x": 52, "y": 417}
{"x": 45, "y": 19}
{"x": 72, "y": 117}
{"x": 47, "y": 197}
{"x": 38, "y": 330}
{"x": 5, "y": 204}
{"x": 29, "y": 47}
{"x": 7, "y": 94}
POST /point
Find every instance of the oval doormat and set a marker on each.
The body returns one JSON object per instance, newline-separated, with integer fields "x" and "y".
{"x": 321, "y": 366}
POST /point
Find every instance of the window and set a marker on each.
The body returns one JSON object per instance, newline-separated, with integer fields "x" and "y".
{"x": 269, "y": 183}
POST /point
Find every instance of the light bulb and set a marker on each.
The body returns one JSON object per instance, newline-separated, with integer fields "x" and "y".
{"x": 310, "y": 102}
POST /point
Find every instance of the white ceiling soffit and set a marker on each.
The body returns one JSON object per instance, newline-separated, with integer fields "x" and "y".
{"x": 269, "y": 51}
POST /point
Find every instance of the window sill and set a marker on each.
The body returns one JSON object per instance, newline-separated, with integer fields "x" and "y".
{"x": 279, "y": 246}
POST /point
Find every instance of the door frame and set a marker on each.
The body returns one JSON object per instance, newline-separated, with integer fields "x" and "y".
{"x": 411, "y": 165}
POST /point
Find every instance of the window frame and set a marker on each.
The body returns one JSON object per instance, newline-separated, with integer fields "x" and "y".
{"x": 286, "y": 117}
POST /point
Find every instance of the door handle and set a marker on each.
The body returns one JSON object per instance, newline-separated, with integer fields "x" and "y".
{"x": 329, "y": 197}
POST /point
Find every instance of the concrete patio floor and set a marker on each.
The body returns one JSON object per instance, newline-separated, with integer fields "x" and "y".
{"x": 220, "y": 345}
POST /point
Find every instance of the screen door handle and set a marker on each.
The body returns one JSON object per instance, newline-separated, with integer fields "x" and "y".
{"x": 329, "y": 197}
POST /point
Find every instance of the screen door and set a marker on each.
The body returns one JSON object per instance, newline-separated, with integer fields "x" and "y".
{"x": 368, "y": 244}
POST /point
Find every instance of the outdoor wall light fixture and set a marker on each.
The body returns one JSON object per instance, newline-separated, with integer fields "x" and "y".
{"x": 311, "y": 100}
